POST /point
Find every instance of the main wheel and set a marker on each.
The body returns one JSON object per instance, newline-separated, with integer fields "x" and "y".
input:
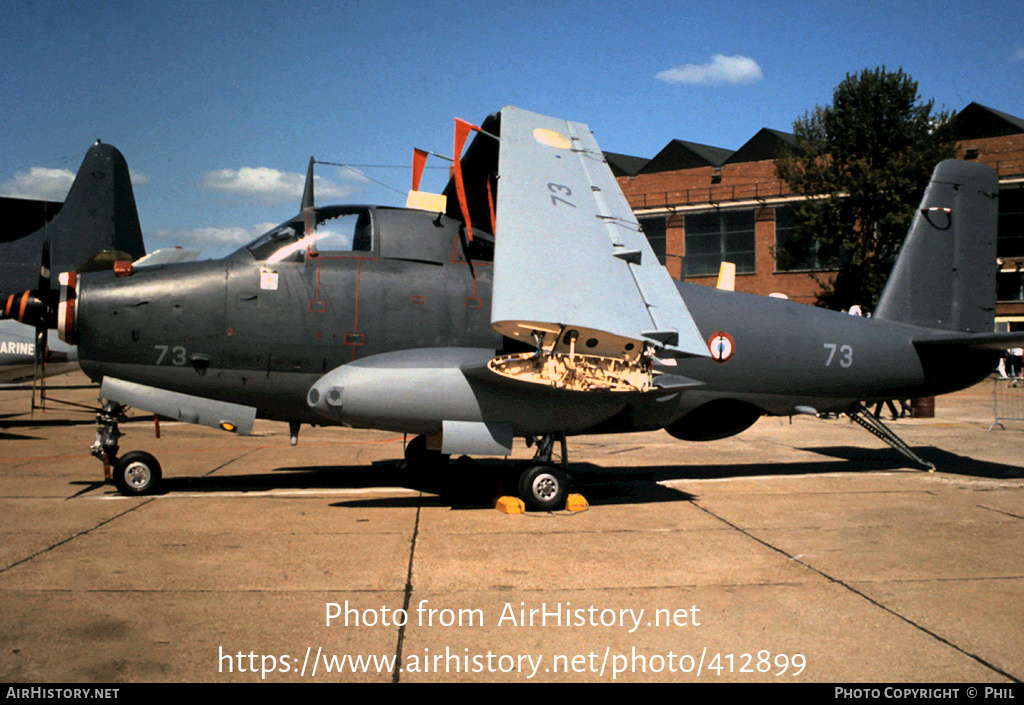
{"x": 544, "y": 487}
{"x": 136, "y": 473}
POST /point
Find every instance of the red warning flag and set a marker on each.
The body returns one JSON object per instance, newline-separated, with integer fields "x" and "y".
{"x": 419, "y": 161}
{"x": 462, "y": 129}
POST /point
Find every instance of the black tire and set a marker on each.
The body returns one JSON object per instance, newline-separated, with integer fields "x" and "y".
{"x": 137, "y": 473}
{"x": 544, "y": 487}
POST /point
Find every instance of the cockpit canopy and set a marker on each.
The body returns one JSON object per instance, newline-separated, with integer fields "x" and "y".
{"x": 328, "y": 229}
{"x": 375, "y": 231}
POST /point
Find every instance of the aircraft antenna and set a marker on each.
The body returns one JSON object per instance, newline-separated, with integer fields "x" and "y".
{"x": 368, "y": 178}
{"x": 307, "y": 191}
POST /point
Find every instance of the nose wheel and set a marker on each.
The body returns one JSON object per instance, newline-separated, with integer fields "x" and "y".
{"x": 135, "y": 473}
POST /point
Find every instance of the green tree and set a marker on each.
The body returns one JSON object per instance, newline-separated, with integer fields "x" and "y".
{"x": 863, "y": 162}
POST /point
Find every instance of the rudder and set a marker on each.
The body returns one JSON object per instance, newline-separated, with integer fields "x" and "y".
{"x": 944, "y": 277}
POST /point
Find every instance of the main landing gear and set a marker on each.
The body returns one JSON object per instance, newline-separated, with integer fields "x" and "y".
{"x": 541, "y": 483}
{"x": 135, "y": 473}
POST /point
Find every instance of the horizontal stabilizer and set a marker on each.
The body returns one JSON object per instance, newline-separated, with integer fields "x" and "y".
{"x": 978, "y": 341}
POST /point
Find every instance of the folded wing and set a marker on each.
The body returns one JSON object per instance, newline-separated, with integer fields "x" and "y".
{"x": 573, "y": 269}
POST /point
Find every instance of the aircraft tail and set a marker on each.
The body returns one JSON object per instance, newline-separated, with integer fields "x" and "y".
{"x": 99, "y": 212}
{"x": 944, "y": 277}
{"x": 98, "y": 215}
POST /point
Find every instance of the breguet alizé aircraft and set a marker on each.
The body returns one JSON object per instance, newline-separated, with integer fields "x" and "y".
{"x": 530, "y": 307}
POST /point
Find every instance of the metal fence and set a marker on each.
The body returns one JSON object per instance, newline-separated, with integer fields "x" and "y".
{"x": 1007, "y": 401}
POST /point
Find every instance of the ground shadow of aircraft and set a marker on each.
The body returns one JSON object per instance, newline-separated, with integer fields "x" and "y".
{"x": 528, "y": 305}
{"x": 471, "y": 485}
{"x": 475, "y": 485}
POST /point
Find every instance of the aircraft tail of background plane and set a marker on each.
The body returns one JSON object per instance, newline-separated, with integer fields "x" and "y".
{"x": 99, "y": 214}
{"x": 944, "y": 277}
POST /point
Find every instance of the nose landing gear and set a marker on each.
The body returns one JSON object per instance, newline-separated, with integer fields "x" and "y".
{"x": 135, "y": 473}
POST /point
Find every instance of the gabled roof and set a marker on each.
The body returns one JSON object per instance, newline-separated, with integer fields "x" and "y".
{"x": 977, "y": 121}
{"x": 678, "y": 154}
{"x": 624, "y": 164}
{"x": 766, "y": 144}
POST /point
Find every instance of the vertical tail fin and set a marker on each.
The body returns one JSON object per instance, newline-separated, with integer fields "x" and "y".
{"x": 945, "y": 275}
{"x": 99, "y": 212}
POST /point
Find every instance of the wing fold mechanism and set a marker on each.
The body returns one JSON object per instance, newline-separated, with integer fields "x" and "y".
{"x": 573, "y": 271}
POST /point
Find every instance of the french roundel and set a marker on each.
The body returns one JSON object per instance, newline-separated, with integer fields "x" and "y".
{"x": 722, "y": 346}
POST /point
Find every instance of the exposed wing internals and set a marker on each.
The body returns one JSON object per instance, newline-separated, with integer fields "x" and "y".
{"x": 561, "y": 322}
{"x": 574, "y": 274}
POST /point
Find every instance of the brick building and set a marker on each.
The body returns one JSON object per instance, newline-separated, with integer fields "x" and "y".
{"x": 700, "y": 205}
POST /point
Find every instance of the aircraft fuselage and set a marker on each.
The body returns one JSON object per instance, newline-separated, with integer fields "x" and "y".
{"x": 258, "y": 333}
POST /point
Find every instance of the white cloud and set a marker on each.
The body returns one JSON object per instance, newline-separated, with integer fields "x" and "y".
{"x": 271, "y": 186}
{"x": 46, "y": 184}
{"x": 40, "y": 183}
{"x": 211, "y": 237}
{"x": 722, "y": 69}
{"x": 1018, "y": 55}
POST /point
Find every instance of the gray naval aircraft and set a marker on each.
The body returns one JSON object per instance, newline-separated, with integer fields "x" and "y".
{"x": 532, "y": 307}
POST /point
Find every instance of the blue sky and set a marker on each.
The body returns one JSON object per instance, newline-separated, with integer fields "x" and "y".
{"x": 218, "y": 105}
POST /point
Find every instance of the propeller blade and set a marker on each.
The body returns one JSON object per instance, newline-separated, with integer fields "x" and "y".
{"x": 43, "y": 292}
{"x": 44, "y": 267}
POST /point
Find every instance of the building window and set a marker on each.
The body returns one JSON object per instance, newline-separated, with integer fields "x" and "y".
{"x": 1010, "y": 286}
{"x": 1010, "y": 245}
{"x": 1010, "y": 238}
{"x": 720, "y": 236}
{"x": 793, "y": 253}
{"x": 655, "y": 229}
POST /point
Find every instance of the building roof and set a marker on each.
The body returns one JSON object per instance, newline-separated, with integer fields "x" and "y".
{"x": 766, "y": 144}
{"x": 977, "y": 121}
{"x": 624, "y": 164}
{"x": 678, "y": 154}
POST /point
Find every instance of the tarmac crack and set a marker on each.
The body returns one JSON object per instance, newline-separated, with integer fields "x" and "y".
{"x": 859, "y": 593}
{"x": 74, "y": 536}
{"x": 407, "y": 598}
{"x": 1001, "y": 511}
{"x": 229, "y": 462}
